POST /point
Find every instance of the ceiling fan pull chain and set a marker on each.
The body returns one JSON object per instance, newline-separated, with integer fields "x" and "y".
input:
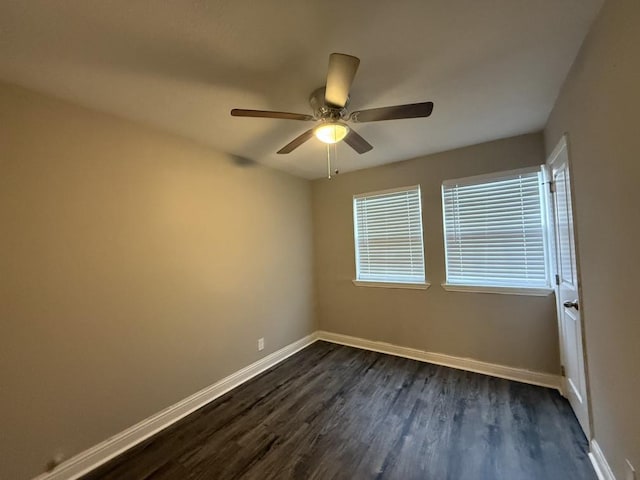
{"x": 328, "y": 162}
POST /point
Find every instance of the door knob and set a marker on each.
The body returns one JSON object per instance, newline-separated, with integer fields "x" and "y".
{"x": 573, "y": 304}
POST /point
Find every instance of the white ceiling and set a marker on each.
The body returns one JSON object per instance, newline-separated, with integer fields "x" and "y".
{"x": 493, "y": 68}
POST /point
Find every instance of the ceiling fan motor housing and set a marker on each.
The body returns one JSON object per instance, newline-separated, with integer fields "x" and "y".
{"x": 324, "y": 111}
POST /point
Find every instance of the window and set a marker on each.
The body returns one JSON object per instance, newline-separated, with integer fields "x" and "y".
{"x": 495, "y": 232}
{"x": 388, "y": 237}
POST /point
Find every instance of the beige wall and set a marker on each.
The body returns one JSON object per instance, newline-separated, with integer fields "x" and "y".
{"x": 599, "y": 107}
{"x": 519, "y": 331}
{"x": 136, "y": 268}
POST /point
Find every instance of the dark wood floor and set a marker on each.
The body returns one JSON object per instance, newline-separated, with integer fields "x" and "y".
{"x": 333, "y": 412}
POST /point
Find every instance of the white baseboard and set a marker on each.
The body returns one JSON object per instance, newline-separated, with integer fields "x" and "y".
{"x": 600, "y": 464}
{"x": 501, "y": 371}
{"x": 95, "y": 456}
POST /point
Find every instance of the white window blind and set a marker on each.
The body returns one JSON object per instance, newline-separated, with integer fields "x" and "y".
{"x": 494, "y": 229}
{"x": 388, "y": 236}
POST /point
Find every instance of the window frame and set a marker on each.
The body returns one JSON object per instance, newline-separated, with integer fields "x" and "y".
{"x": 545, "y": 225}
{"x": 388, "y": 283}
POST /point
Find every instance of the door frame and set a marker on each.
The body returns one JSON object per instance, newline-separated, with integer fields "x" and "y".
{"x": 564, "y": 143}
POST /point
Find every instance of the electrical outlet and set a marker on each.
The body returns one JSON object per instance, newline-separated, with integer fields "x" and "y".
{"x": 631, "y": 472}
{"x": 260, "y": 344}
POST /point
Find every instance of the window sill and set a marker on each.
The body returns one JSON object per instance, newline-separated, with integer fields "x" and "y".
{"x": 536, "y": 292}
{"x": 411, "y": 286}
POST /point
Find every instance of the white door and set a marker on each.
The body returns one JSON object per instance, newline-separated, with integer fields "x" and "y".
{"x": 567, "y": 292}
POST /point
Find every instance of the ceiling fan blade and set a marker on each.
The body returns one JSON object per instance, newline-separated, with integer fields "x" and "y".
{"x": 296, "y": 142}
{"x": 396, "y": 112}
{"x": 342, "y": 71}
{"x": 239, "y": 112}
{"x": 356, "y": 142}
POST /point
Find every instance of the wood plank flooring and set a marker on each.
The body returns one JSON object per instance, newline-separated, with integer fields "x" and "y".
{"x": 334, "y": 412}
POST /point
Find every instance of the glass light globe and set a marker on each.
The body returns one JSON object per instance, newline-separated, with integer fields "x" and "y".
{"x": 331, "y": 132}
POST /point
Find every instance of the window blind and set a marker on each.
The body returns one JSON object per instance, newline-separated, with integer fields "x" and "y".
{"x": 388, "y": 236}
{"x": 494, "y": 230}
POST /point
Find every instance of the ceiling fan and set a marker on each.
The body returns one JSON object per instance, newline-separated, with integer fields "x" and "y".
{"x": 329, "y": 105}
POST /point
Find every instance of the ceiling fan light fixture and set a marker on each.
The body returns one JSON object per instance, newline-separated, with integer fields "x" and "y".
{"x": 331, "y": 132}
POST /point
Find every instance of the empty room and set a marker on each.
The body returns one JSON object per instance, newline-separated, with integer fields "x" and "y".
{"x": 319, "y": 240}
